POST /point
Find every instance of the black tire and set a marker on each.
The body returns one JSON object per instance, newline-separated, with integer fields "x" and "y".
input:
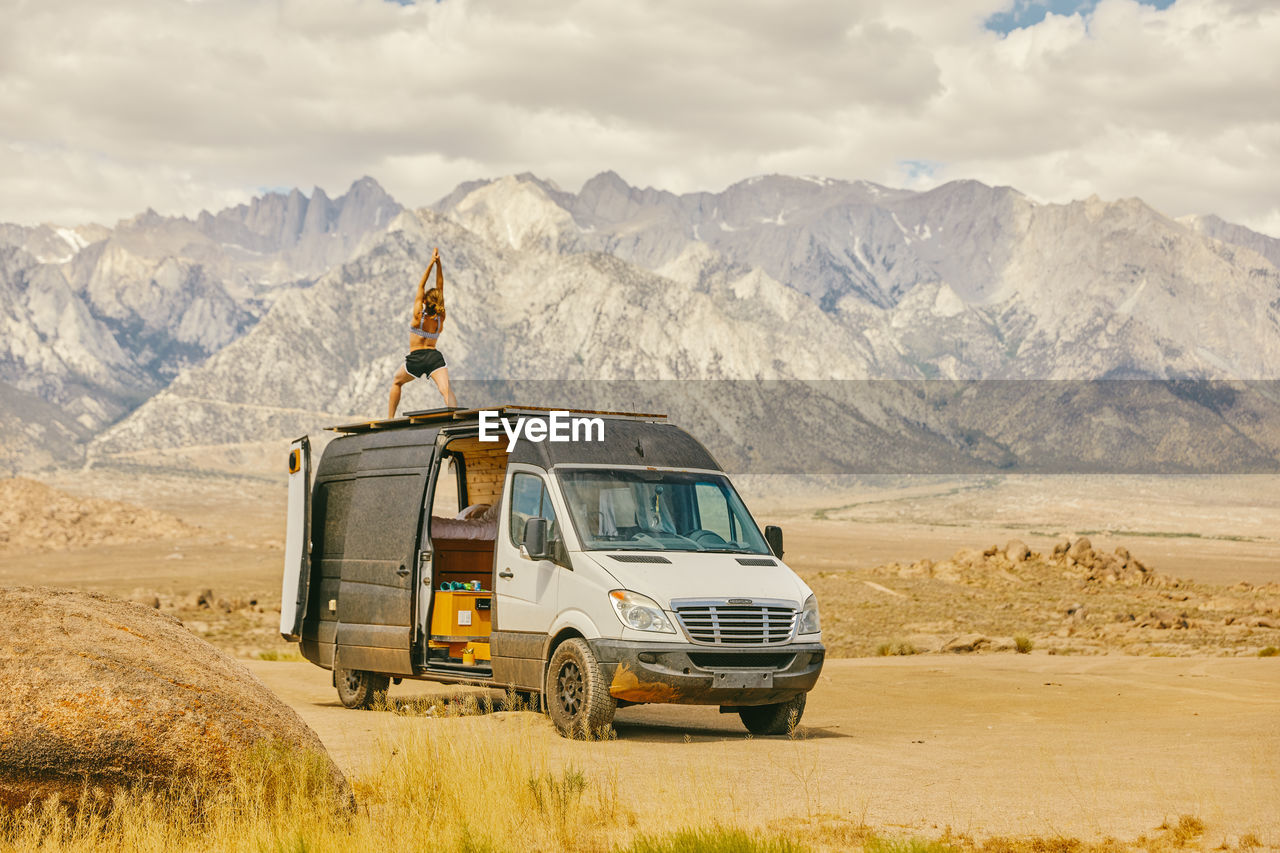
{"x": 360, "y": 689}
{"x": 774, "y": 719}
{"x": 576, "y": 696}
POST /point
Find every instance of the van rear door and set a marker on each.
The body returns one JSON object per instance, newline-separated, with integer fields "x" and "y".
{"x": 297, "y": 545}
{"x": 381, "y": 522}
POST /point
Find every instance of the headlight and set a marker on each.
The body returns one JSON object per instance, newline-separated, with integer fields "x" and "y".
{"x": 639, "y": 612}
{"x": 809, "y": 617}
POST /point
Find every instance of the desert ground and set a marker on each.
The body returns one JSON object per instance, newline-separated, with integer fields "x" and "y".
{"x": 1143, "y": 694}
{"x": 983, "y": 745}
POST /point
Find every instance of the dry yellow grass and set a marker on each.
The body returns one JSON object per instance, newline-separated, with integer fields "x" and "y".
{"x": 428, "y": 791}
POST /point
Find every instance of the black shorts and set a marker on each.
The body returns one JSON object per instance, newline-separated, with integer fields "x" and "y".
{"x": 423, "y": 362}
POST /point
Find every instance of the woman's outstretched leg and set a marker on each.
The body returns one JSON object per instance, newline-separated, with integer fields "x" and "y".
{"x": 402, "y": 376}
{"x": 441, "y": 378}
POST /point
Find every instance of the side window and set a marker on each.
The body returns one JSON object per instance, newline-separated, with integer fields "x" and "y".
{"x": 529, "y": 499}
{"x": 713, "y": 511}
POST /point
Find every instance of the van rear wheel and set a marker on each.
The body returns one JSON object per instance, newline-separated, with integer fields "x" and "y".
{"x": 576, "y": 695}
{"x": 360, "y": 689}
{"x": 777, "y": 719}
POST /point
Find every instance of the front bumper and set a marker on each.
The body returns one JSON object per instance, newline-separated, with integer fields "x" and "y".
{"x": 684, "y": 674}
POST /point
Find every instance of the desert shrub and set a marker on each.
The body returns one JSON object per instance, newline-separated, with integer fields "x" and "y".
{"x": 262, "y": 789}
{"x": 713, "y": 840}
{"x": 419, "y": 792}
{"x": 1268, "y": 652}
{"x": 458, "y": 705}
{"x": 899, "y": 648}
{"x": 278, "y": 655}
{"x": 558, "y": 797}
{"x": 879, "y": 844}
{"x": 1187, "y": 829}
{"x": 1023, "y": 644}
{"x": 1057, "y": 844}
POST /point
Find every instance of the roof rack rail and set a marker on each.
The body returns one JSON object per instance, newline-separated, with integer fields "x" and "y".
{"x": 425, "y": 416}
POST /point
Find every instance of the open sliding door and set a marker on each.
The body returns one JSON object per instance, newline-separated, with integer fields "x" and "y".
{"x": 297, "y": 545}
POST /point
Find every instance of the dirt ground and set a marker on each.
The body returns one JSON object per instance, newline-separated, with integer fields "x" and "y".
{"x": 863, "y": 549}
{"x": 985, "y": 745}
{"x": 1219, "y": 530}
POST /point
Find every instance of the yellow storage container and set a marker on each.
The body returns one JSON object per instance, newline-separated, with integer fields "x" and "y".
{"x": 461, "y": 615}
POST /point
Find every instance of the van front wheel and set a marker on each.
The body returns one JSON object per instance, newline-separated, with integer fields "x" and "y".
{"x": 360, "y": 689}
{"x": 778, "y": 719}
{"x": 576, "y": 696}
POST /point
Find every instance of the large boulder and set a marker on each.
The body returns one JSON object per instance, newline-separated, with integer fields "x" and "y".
{"x": 104, "y": 692}
{"x": 1081, "y": 550}
{"x": 1017, "y": 551}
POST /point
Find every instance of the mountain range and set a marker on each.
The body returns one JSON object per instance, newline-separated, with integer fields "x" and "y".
{"x": 203, "y": 342}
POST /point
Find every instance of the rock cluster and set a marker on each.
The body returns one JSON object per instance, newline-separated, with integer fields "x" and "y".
{"x": 1015, "y": 561}
{"x": 106, "y": 693}
{"x": 1117, "y": 567}
{"x": 1074, "y": 598}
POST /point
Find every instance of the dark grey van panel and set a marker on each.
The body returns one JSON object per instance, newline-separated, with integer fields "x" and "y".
{"x": 367, "y": 512}
{"x": 626, "y": 442}
{"x": 330, "y": 506}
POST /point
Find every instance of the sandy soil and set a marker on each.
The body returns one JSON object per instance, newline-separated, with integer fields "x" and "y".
{"x": 1213, "y": 529}
{"x": 987, "y": 743}
{"x": 236, "y": 550}
{"x": 984, "y": 745}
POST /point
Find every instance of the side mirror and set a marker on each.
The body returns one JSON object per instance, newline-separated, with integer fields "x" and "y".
{"x": 535, "y": 539}
{"x": 773, "y": 536}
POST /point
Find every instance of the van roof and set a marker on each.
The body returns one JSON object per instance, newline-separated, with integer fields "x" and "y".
{"x": 426, "y": 416}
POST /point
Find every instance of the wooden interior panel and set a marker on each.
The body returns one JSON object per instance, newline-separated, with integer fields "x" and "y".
{"x": 486, "y": 465}
{"x": 462, "y": 560}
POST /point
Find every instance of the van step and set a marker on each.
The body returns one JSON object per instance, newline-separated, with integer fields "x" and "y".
{"x": 477, "y": 669}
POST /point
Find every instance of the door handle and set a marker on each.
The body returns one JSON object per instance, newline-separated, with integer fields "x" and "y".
{"x": 403, "y": 570}
{"x": 506, "y": 573}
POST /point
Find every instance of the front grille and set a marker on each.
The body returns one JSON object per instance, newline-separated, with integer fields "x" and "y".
{"x": 750, "y": 660}
{"x": 760, "y": 623}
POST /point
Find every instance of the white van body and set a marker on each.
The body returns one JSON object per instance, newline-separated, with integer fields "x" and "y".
{"x": 589, "y": 574}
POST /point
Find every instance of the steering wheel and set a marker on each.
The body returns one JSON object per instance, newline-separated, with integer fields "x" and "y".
{"x": 706, "y": 537}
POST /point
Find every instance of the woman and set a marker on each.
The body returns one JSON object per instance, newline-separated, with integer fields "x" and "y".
{"x": 423, "y": 358}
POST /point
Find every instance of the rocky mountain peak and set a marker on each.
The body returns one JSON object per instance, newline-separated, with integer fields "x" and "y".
{"x": 775, "y": 276}
{"x": 97, "y": 320}
{"x": 1228, "y": 232}
{"x": 517, "y": 213}
{"x": 147, "y": 219}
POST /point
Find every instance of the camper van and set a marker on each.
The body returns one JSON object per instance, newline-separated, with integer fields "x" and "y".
{"x": 584, "y": 560}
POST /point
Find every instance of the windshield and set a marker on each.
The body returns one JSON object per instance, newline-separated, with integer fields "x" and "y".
{"x": 617, "y": 509}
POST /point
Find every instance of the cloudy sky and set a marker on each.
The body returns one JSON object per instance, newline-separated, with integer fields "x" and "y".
{"x": 107, "y": 108}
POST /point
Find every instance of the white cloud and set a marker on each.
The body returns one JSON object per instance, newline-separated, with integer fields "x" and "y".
{"x": 109, "y": 108}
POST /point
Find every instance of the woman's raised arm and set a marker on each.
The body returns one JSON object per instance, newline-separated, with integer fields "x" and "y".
{"x": 420, "y": 297}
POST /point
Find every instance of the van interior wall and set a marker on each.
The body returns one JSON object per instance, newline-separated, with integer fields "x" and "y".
{"x": 466, "y": 560}
{"x": 486, "y": 467}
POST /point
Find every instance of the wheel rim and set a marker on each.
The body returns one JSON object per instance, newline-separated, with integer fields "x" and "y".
{"x": 569, "y": 688}
{"x": 353, "y": 681}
